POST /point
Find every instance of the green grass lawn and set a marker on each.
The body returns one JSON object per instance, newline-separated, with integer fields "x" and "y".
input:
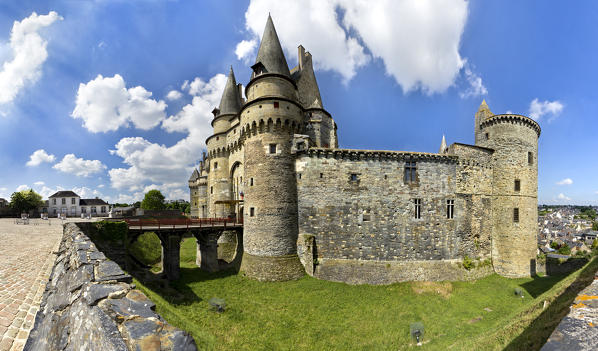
{"x": 312, "y": 314}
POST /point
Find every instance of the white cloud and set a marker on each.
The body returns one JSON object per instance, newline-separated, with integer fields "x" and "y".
{"x": 39, "y": 156}
{"x": 101, "y": 186}
{"x": 28, "y": 55}
{"x": 105, "y": 104}
{"x": 476, "y": 87}
{"x": 562, "y": 197}
{"x": 45, "y": 191}
{"x": 417, "y": 40}
{"x": 39, "y": 183}
{"x": 152, "y": 163}
{"x": 23, "y": 187}
{"x": 245, "y": 49}
{"x": 174, "y": 95}
{"x": 537, "y": 109}
{"x": 87, "y": 193}
{"x": 566, "y": 181}
{"x": 78, "y": 166}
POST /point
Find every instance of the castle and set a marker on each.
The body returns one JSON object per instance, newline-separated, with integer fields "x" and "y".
{"x": 362, "y": 216}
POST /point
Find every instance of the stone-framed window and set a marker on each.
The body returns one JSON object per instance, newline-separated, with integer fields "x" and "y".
{"x": 63, "y": 201}
{"x": 250, "y": 181}
{"x": 215, "y": 165}
{"x": 299, "y": 175}
{"x": 321, "y": 175}
{"x": 272, "y": 148}
{"x": 410, "y": 171}
{"x": 211, "y": 190}
{"x": 530, "y": 158}
{"x": 353, "y": 177}
{"x": 517, "y": 185}
{"x": 450, "y": 209}
{"x": 516, "y": 215}
{"x": 487, "y": 136}
{"x": 417, "y": 207}
{"x": 252, "y": 212}
{"x": 72, "y": 201}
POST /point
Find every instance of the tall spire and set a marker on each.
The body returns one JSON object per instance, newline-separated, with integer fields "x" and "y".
{"x": 231, "y": 101}
{"x": 484, "y": 107}
{"x": 270, "y": 54}
{"x": 442, "y": 145}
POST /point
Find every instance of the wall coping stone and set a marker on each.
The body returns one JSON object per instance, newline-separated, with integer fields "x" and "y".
{"x": 90, "y": 304}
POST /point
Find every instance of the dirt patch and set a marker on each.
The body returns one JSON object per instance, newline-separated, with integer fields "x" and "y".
{"x": 443, "y": 289}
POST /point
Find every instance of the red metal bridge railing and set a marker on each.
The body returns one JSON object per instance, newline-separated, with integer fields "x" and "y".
{"x": 177, "y": 223}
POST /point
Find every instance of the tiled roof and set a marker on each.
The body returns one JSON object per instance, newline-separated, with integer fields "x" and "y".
{"x": 92, "y": 202}
{"x": 64, "y": 193}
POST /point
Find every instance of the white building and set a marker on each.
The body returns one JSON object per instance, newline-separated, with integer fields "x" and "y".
{"x": 72, "y": 205}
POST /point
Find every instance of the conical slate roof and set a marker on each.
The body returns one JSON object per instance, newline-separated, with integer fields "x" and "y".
{"x": 231, "y": 101}
{"x": 270, "y": 53}
{"x": 442, "y": 145}
{"x": 309, "y": 93}
{"x": 194, "y": 175}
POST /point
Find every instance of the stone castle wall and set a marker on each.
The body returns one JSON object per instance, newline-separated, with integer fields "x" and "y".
{"x": 90, "y": 304}
{"x": 359, "y": 209}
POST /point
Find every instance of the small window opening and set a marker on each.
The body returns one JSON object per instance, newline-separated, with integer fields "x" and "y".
{"x": 517, "y": 185}
{"x": 260, "y": 106}
{"x": 251, "y": 211}
{"x": 353, "y": 177}
{"x": 410, "y": 171}
{"x": 215, "y": 165}
{"x": 366, "y": 216}
{"x": 299, "y": 175}
{"x": 450, "y": 209}
{"x": 211, "y": 190}
{"x": 250, "y": 181}
{"x": 530, "y": 158}
{"x": 276, "y": 104}
{"x": 418, "y": 208}
{"x": 272, "y": 148}
{"x": 487, "y": 136}
{"x": 217, "y": 138}
{"x": 321, "y": 175}
{"x": 385, "y": 176}
{"x": 516, "y": 215}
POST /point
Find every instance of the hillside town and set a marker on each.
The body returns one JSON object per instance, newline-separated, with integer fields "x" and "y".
{"x": 572, "y": 229}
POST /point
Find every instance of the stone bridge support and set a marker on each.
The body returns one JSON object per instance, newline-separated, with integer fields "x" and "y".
{"x": 171, "y": 254}
{"x": 207, "y": 250}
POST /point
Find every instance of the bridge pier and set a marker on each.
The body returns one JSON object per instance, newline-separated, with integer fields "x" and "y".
{"x": 171, "y": 255}
{"x": 207, "y": 250}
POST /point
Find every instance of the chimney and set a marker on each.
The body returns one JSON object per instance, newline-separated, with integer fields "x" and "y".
{"x": 301, "y": 53}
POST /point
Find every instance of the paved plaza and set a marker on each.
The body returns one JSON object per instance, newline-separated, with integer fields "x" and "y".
{"x": 26, "y": 259}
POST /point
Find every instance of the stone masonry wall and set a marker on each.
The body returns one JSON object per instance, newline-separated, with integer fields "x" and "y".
{"x": 372, "y": 218}
{"x": 90, "y": 304}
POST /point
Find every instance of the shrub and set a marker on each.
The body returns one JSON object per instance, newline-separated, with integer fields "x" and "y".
{"x": 147, "y": 248}
{"x": 468, "y": 263}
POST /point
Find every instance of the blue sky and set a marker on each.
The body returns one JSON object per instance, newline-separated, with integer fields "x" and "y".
{"x": 112, "y": 97}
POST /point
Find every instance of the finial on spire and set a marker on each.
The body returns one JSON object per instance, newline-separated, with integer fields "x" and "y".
{"x": 442, "y": 145}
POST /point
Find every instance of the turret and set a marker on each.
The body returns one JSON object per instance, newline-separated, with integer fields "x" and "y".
{"x": 480, "y": 116}
{"x": 269, "y": 118}
{"x": 219, "y": 183}
{"x": 319, "y": 124}
{"x": 514, "y": 139}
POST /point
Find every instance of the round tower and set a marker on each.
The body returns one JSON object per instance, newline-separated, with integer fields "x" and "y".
{"x": 269, "y": 118}
{"x": 514, "y": 139}
{"x": 219, "y": 182}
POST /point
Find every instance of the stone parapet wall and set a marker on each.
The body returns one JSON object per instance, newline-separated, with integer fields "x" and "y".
{"x": 578, "y": 330}
{"x": 90, "y": 304}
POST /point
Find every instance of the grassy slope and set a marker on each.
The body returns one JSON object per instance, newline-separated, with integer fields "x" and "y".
{"x": 311, "y": 314}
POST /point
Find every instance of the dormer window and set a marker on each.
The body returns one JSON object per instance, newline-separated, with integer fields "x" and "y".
{"x": 258, "y": 69}
{"x": 216, "y": 111}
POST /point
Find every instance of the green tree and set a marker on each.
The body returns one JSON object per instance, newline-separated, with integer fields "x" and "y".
{"x": 594, "y": 225}
{"x": 153, "y": 200}
{"x": 25, "y": 201}
{"x": 554, "y": 245}
{"x": 594, "y": 244}
{"x": 565, "y": 250}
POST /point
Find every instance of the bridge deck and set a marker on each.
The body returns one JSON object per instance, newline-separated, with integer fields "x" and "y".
{"x": 181, "y": 224}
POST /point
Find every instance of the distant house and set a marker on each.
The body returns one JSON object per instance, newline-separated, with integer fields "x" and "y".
{"x": 3, "y": 203}
{"x": 70, "y": 204}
